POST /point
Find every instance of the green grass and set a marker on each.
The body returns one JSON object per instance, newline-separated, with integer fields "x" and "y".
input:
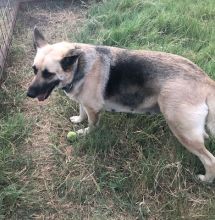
{"x": 131, "y": 167}
{"x": 184, "y": 27}
{"x": 14, "y": 129}
{"x": 135, "y": 159}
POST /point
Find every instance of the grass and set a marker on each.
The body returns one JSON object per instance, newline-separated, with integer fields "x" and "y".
{"x": 14, "y": 129}
{"x": 185, "y": 28}
{"x": 131, "y": 167}
{"x": 151, "y": 176}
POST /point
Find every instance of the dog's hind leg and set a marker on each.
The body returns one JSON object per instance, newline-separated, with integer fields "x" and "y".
{"x": 187, "y": 122}
{"x": 195, "y": 144}
{"x": 81, "y": 117}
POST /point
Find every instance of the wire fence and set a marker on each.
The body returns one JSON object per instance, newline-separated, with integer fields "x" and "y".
{"x": 8, "y": 12}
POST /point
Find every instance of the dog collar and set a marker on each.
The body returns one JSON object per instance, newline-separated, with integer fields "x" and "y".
{"x": 68, "y": 87}
{"x": 78, "y": 75}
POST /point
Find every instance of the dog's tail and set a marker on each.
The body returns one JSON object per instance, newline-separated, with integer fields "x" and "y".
{"x": 210, "y": 123}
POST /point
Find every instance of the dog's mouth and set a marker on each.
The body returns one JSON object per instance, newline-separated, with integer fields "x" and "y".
{"x": 42, "y": 92}
{"x": 44, "y": 96}
{"x": 41, "y": 97}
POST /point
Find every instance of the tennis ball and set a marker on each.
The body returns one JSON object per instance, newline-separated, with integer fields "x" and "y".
{"x": 71, "y": 136}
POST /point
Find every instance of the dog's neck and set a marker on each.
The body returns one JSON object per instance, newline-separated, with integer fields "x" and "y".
{"x": 78, "y": 76}
{"x": 68, "y": 88}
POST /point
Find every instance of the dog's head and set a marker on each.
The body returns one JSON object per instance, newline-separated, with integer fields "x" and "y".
{"x": 54, "y": 66}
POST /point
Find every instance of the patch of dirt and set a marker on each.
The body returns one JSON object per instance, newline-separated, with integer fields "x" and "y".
{"x": 57, "y": 20}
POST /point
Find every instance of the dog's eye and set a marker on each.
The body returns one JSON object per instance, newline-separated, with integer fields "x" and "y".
{"x": 35, "y": 69}
{"x": 46, "y": 74}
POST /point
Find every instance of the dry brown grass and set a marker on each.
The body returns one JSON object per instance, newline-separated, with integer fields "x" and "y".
{"x": 131, "y": 168}
{"x": 56, "y": 20}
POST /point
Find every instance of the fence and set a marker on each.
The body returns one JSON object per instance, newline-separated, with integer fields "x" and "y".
{"x": 8, "y": 12}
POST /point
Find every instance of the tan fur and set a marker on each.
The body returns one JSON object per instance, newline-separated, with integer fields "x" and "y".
{"x": 211, "y": 114}
{"x": 178, "y": 88}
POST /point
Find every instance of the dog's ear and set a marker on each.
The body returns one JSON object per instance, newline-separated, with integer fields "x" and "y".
{"x": 70, "y": 58}
{"x": 39, "y": 40}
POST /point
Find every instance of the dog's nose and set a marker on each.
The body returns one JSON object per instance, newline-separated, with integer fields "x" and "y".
{"x": 31, "y": 93}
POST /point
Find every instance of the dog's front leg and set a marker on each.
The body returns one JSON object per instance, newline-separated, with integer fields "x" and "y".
{"x": 93, "y": 119}
{"x": 81, "y": 117}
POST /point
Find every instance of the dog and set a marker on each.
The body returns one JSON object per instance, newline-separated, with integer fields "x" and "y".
{"x": 134, "y": 81}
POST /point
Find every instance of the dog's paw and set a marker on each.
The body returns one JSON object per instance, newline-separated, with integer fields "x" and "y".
{"x": 76, "y": 119}
{"x": 201, "y": 177}
{"x": 204, "y": 179}
{"x": 83, "y": 131}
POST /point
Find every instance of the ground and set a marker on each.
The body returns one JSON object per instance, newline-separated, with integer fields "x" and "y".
{"x": 131, "y": 167}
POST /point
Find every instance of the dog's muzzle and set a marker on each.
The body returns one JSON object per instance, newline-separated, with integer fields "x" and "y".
{"x": 31, "y": 92}
{"x": 42, "y": 91}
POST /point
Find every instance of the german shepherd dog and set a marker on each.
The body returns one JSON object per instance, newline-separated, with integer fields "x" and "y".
{"x": 138, "y": 81}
